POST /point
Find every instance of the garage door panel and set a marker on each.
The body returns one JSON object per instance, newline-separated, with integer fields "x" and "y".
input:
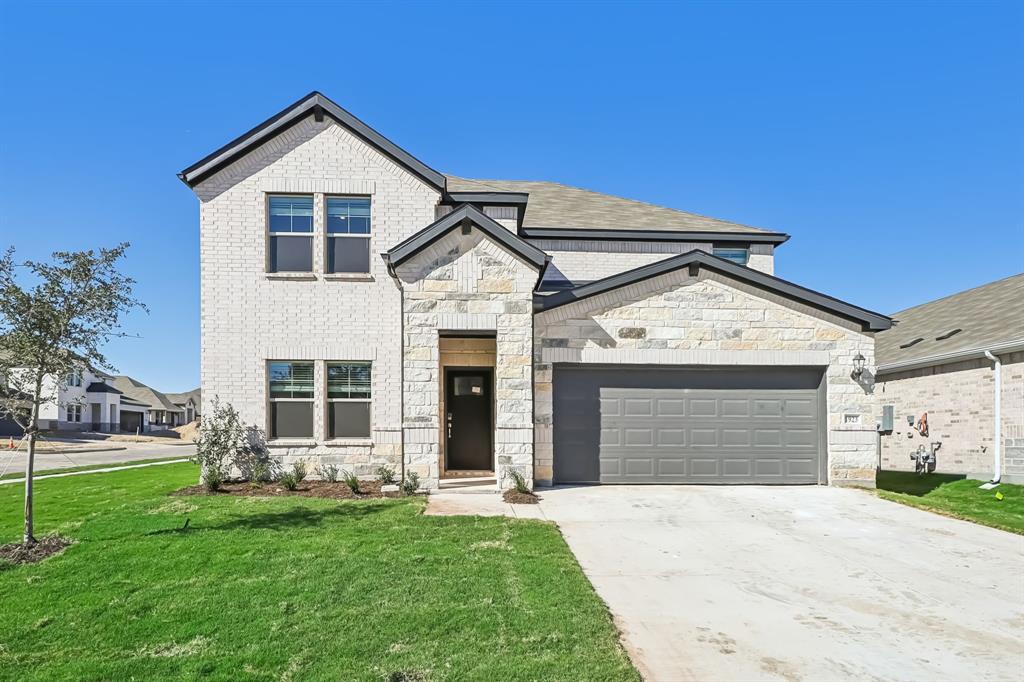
{"x": 673, "y": 425}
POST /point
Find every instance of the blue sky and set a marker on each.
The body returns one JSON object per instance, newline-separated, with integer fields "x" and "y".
{"x": 886, "y": 138}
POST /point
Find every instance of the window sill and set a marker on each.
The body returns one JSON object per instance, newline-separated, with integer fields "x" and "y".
{"x": 291, "y": 443}
{"x": 343, "y": 442}
{"x": 300, "y": 276}
{"x": 349, "y": 276}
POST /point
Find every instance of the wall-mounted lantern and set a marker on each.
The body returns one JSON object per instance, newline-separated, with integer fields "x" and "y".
{"x": 858, "y": 366}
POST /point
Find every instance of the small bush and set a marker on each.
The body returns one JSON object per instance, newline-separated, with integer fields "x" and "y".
{"x": 518, "y": 480}
{"x": 351, "y": 480}
{"x": 259, "y": 474}
{"x": 411, "y": 483}
{"x": 289, "y": 481}
{"x": 386, "y": 475}
{"x": 213, "y": 477}
{"x": 328, "y": 472}
{"x": 299, "y": 471}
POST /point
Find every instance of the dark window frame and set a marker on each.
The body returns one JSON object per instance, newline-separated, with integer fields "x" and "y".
{"x": 272, "y": 235}
{"x": 272, "y": 429}
{"x": 329, "y": 236}
{"x": 745, "y": 248}
{"x": 330, "y": 401}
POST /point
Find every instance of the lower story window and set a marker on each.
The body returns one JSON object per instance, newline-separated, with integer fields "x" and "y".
{"x": 348, "y": 399}
{"x": 74, "y": 413}
{"x": 291, "y": 399}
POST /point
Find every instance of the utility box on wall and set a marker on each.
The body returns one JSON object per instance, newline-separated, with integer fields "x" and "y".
{"x": 887, "y": 419}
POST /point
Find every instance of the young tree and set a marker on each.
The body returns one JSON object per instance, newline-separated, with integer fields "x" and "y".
{"x": 52, "y": 326}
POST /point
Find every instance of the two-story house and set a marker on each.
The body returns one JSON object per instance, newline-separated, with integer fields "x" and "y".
{"x": 366, "y": 309}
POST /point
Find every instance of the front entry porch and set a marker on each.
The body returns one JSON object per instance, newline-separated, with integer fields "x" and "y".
{"x": 466, "y": 406}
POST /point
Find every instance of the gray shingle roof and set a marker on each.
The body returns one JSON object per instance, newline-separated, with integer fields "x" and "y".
{"x": 182, "y": 398}
{"x": 140, "y": 393}
{"x": 987, "y": 316}
{"x": 552, "y": 204}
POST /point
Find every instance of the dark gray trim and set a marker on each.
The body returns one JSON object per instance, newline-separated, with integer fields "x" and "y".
{"x": 870, "y": 321}
{"x": 666, "y": 235}
{"x": 489, "y": 198}
{"x": 317, "y": 105}
{"x": 419, "y": 241}
{"x": 101, "y": 387}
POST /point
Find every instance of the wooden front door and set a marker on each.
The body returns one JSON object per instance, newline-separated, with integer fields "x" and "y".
{"x": 469, "y": 419}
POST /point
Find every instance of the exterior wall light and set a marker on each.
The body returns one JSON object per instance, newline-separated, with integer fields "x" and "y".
{"x": 858, "y": 366}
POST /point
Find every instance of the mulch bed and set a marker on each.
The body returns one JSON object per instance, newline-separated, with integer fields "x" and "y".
{"x": 17, "y": 553}
{"x": 326, "y": 489}
{"x": 515, "y": 497}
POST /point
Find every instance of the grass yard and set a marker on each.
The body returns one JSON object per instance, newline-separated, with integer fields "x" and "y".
{"x": 292, "y": 588}
{"x": 956, "y": 496}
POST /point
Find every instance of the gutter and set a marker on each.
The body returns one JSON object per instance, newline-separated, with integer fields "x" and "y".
{"x": 954, "y": 356}
{"x": 401, "y": 366}
{"x": 998, "y": 436}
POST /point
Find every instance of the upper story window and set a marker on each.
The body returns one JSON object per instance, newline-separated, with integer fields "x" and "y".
{"x": 291, "y": 399}
{"x": 740, "y": 256}
{"x": 348, "y": 234}
{"x": 290, "y": 225}
{"x": 74, "y": 378}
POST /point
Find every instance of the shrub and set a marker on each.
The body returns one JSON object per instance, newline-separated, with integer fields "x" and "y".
{"x": 289, "y": 481}
{"x": 351, "y": 480}
{"x": 411, "y": 483}
{"x": 518, "y": 480}
{"x": 328, "y": 472}
{"x": 299, "y": 470}
{"x": 221, "y": 442}
{"x": 386, "y": 475}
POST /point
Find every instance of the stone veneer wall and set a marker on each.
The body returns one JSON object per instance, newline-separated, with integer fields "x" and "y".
{"x": 467, "y": 283}
{"x": 960, "y": 401}
{"x": 712, "y": 320}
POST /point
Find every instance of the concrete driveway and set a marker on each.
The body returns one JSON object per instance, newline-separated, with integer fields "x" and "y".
{"x": 797, "y": 583}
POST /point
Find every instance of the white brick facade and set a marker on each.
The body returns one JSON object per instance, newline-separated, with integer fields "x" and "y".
{"x": 250, "y": 317}
{"x": 467, "y": 282}
{"x": 713, "y": 320}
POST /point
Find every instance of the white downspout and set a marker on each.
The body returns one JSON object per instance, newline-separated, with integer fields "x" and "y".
{"x": 997, "y": 448}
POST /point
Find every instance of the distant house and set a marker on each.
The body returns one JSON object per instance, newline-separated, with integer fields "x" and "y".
{"x": 942, "y": 370}
{"x": 189, "y": 401}
{"x": 161, "y": 411}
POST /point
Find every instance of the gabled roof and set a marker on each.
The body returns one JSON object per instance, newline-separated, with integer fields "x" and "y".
{"x": 695, "y": 260}
{"x": 101, "y": 387}
{"x": 465, "y": 214}
{"x": 556, "y": 206}
{"x": 957, "y": 327}
{"x": 141, "y": 394}
{"x": 317, "y": 105}
{"x": 195, "y": 395}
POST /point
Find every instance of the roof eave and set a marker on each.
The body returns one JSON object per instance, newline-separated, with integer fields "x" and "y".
{"x": 405, "y": 250}
{"x": 317, "y": 105}
{"x": 974, "y": 353}
{"x": 665, "y": 235}
{"x": 869, "y": 321}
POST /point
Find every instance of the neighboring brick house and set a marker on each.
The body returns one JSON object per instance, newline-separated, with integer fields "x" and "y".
{"x": 933, "y": 362}
{"x": 365, "y": 309}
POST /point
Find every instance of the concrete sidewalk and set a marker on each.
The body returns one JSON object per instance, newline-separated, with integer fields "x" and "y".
{"x": 15, "y": 461}
{"x": 462, "y": 502}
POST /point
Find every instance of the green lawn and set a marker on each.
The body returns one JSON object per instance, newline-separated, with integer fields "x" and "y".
{"x": 303, "y": 589}
{"x": 90, "y": 467}
{"x": 956, "y": 496}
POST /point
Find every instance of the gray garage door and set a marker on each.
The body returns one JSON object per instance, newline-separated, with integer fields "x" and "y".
{"x": 131, "y": 421}
{"x": 674, "y": 425}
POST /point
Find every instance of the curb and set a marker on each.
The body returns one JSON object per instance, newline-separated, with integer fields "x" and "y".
{"x": 11, "y": 481}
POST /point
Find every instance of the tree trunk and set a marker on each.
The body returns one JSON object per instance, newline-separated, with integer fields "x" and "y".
{"x": 33, "y": 426}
